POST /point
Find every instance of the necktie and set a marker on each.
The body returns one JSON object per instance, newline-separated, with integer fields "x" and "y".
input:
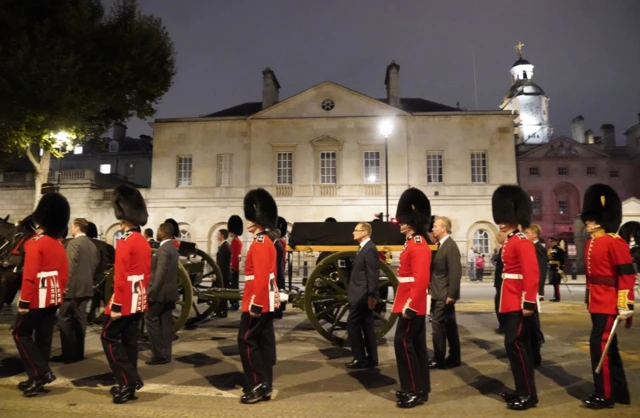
{"x": 438, "y": 245}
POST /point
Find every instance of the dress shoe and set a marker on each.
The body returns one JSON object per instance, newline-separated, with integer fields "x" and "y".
{"x": 357, "y": 364}
{"x": 554, "y": 300}
{"x": 115, "y": 389}
{"x": 37, "y": 385}
{"x": 508, "y": 396}
{"x": 450, "y": 363}
{"x": 124, "y": 394}
{"x": 414, "y": 399}
{"x": 261, "y": 392}
{"x": 155, "y": 361}
{"x": 522, "y": 403}
{"x": 435, "y": 365}
{"x": 400, "y": 395}
{"x": 541, "y": 298}
{"x": 597, "y": 402}
{"x": 25, "y": 384}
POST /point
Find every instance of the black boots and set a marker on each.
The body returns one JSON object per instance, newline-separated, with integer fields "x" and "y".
{"x": 261, "y": 392}
{"x": 35, "y": 387}
{"x": 411, "y": 399}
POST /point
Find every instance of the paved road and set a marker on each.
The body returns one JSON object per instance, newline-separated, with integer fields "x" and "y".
{"x": 204, "y": 379}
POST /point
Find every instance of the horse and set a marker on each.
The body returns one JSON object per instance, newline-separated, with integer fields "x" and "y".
{"x": 12, "y": 239}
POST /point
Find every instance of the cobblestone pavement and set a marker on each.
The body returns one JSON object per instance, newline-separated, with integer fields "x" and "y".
{"x": 310, "y": 378}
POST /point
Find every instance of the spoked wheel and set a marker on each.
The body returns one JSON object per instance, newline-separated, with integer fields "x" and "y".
{"x": 205, "y": 274}
{"x": 325, "y": 297}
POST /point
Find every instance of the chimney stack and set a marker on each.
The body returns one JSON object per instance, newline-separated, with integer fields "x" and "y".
{"x": 590, "y": 138}
{"x": 119, "y": 131}
{"x": 391, "y": 80}
{"x": 577, "y": 129}
{"x": 608, "y": 135}
{"x": 270, "y": 88}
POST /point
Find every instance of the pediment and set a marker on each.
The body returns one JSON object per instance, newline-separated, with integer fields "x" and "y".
{"x": 564, "y": 147}
{"x": 631, "y": 210}
{"x": 326, "y": 142}
{"x": 328, "y": 100}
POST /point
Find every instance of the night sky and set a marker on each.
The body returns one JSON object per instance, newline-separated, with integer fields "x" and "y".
{"x": 585, "y": 52}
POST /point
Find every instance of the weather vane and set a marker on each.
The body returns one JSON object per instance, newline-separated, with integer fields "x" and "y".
{"x": 519, "y": 48}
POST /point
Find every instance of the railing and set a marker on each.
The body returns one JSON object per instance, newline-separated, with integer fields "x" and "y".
{"x": 71, "y": 175}
{"x": 284, "y": 191}
{"x": 14, "y": 177}
{"x": 372, "y": 189}
{"x": 326, "y": 190}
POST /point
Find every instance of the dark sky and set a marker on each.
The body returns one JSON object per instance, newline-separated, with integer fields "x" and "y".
{"x": 585, "y": 52}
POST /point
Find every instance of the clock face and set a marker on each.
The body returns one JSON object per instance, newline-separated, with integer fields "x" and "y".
{"x": 533, "y": 109}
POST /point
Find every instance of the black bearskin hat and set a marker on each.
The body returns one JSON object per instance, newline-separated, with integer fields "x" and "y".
{"x": 52, "y": 215}
{"x": 330, "y": 219}
{"x": 630, "y": 230}
{"x": 511, "y": 206}
{"x": 235, "y": 225}
{"x": 602, "y": 204}
{"x": 174, "y": 224}
{"x": 92, "y": 230}
{"x": 260, "y": 208}
{"x": 129, "y": 205}
{"x": 282, "y": 226}
{"x": 414, "y": 210}
{"x": 48, "y": 188}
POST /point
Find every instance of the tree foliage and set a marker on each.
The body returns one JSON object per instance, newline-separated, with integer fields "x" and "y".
{"x": 68, "y": 65}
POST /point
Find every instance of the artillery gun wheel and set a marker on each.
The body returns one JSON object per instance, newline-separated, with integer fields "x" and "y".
{"x": 205, "y": 276}
{"x": 325, "y": 297}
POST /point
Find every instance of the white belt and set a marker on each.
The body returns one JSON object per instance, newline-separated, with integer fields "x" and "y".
{"x": 512, "y": 276}
{"x": 251, "y": 277}
{"x": 43, "y": 274}
{"x": 406, "y": 280}
{"x": 135, "y": 278}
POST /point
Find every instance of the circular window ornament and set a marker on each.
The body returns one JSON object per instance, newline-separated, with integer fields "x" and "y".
{"x": 327, "y": 104}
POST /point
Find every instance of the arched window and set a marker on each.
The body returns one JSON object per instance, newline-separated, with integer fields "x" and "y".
{"x": 481, "y": 241}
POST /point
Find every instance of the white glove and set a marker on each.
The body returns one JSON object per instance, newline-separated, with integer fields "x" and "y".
{"x": 625, "y": 313}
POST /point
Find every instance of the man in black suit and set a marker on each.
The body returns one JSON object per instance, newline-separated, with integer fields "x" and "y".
{"x": 536, "y": 336}
{"x": 106, "y": 260}
{"x": 223, "y": 259}
{"x": 497, "y": 283}
{"x": 444, "y": 288}
{"x": 362, "y": 292}
{"x": 163, "y": 293}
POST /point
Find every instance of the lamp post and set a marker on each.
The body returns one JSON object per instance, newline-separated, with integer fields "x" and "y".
{"x": 62, "y": 138}
{"x": 386, "y": 128}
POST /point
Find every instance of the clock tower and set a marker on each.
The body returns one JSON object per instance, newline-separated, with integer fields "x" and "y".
{"x": 529, "y": 100}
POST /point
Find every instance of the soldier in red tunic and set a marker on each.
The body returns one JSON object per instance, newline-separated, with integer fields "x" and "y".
{"x": 511, "y": 208}
{"x": 235, "y": 226}
{"x": 414, "y": 272}
{"x": 256, "y": 338}
{"x": 126, "y": 308}
{"x": 610, "y": 280}
{"x": 44, "y": 280}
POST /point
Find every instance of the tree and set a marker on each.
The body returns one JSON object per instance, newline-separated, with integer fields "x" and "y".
{"x": 67, "y": 66}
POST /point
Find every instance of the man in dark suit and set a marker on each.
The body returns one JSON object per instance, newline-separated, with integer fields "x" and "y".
{"x": 444, "y": 288}
{"x": 362, "y": 292}
{"x": 223, "y": 259}
{"x": 83, "y": 258}
{"x": 163, "y": 293}
{"x": 536, "y": 336}
{"x": 106, "y": 260}
{"x": 497, "y": 283}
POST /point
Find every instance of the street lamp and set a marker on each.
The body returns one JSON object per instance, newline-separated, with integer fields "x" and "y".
{"x": 386, "y": 128}
{"x": 62, "y": 138}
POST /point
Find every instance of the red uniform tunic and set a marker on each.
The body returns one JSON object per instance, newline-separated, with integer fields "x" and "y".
{"x": 132, "y": 271}
{"x": 607, "y": 259}
{"x": 45, "y": 274}
{"x": 176, "y": 243}
{"x": 520, "y": 277}
{"x": 260, "y": 273}
{"x": 236, "y": 251}
{"x": 414, "y": 274}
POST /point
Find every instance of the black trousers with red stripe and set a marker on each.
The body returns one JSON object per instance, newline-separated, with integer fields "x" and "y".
{"x": 611, "y": 382}
{"x": 120, "y": 343}
{"x": 257, "y": 346}
{"x": 410, "y": 343}
{"x": 517, "y": 342}
{"x": 33, "y": 334}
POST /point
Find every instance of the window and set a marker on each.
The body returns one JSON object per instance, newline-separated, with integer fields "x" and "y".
{"x": 113, "y": 146}
{"x": 130, "y": 170}
{"x": 481, "y": 241}
{"x": 479, "y": 167}
{"x": 105, "y": 168}
{"x": 536, "y": 206}
{"x": 563, "y": 171}
{"x": 372, "y": 166}
{"x": 224, "y": 170}
{"x": 327, "y": 104}
{"x": 185, "y": 165}
{"x": 591, "y": 171}
{"x": 563, "y": 207}
{"x": 328, "y": 167}
{"x": 613, "y": 173}
{"x": 434, "y": 167}
{"x": 534, "y": 171}
{"x": 284, "y": 168}
{"x": 77, "y": 149}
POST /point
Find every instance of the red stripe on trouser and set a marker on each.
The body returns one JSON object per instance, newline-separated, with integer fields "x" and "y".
{"x": 406, "y": 352}
{"x": 255, "y": 376}
{"x": 104, "y": 334}
{"x": 524, "y": 369}
{"x": 606, "y": 372}
{"x": 35, "y": 371}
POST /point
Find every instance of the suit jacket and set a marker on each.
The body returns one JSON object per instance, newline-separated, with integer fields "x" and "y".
{"x": 279, "y": 263}
{"x": 223, "y": 259}
{"x": 363, "y": 281}
{"x": 83, "y": 258}
{"x": 497, "y": 280}
{"x": 163, "y": 285}
{"x": 106, "y": 259}
{"x": 446, "y": 271}
{"x": 541, "y": 254}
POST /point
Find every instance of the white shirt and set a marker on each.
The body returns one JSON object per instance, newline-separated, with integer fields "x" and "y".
{"x": 442, "y": 240}
{"x": 471, "y": 257}
{"x": 364, "y": 241}
{"x": 80, "y": 235}
{"x": 166, "y": 240}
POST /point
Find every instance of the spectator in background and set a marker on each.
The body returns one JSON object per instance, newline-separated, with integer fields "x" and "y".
{"x": 471, "y": 262}
{"x": 479, "y": 267}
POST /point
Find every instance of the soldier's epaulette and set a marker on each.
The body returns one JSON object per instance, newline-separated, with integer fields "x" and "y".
{"x": 37, "y": 237}
{"x": 520, "y": 235}
{"x": 417, "y": 239}
{"x": 613, "y": 234}
{"x": 260, "y": 238}
{"x": 126, "y": 235}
